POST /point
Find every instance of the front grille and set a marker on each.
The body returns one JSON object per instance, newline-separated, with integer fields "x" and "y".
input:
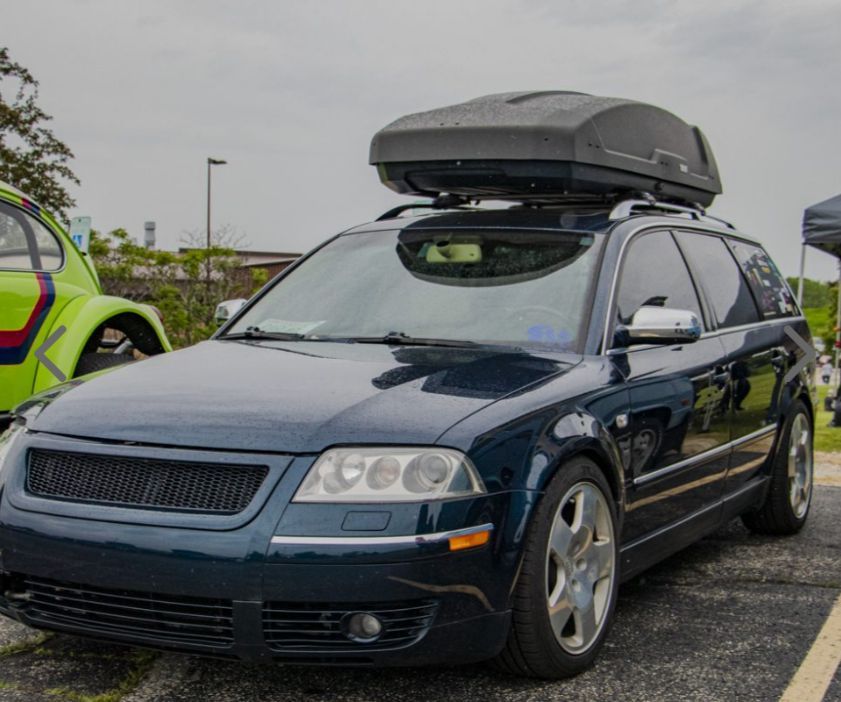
{"x": 165, "y": 618}
{"x": 314, "y": 627}
{"x": 144, "y": 483}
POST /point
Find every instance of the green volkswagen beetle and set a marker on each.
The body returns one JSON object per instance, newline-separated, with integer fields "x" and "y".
{"x": 55, "y": 323}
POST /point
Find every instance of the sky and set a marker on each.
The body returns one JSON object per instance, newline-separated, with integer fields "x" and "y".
{"x": 290, "y": 94}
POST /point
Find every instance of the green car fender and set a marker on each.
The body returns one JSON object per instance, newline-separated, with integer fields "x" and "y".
{"x": 72, "y": 333}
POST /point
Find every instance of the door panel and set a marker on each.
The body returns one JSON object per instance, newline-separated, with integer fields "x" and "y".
{"x": 26, "y": 301}
{"x": 676, "y": 416}
{"x": 757, "y": 363}
{"x": 675, "y": 393}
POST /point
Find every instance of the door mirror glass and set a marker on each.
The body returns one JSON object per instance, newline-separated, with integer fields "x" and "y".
{"x": 227, "y": 309}
{"x": 659, "y": 325}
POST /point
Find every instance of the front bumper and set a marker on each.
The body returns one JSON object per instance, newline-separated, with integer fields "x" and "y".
{"x": 277, "y": 587}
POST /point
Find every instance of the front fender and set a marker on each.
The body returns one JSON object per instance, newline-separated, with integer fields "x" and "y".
{"x": 81, "y": 317}
{"x": 524, "y": 455}
{"x": 574, "y": 433}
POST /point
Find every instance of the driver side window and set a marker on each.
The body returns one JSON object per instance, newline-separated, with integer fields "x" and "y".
{"x": 654, "y": 273}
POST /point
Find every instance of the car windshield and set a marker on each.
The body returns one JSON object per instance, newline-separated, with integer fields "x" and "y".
{"x": 507, "y": 287}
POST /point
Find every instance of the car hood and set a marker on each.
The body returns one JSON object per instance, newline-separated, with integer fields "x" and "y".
{"x": 296, "y": 397}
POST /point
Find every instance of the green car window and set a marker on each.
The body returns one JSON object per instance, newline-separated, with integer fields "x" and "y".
{"x": 25, "y": 243}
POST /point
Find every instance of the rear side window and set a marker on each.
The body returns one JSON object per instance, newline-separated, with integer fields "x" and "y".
{"x": 25, "y": 243}
{"x": 768, "y": 286}
{"x": 720, "y": 277}
{"x": 654, "y": 273}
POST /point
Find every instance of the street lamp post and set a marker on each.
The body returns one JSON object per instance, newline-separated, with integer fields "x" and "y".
{"x": 210, "y": 162}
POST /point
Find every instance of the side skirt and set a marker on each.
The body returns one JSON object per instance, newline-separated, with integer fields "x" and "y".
{"x": 643, "y": 552}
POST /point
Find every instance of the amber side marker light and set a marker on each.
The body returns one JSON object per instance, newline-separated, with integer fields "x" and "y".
{"x": 458, "y": 543}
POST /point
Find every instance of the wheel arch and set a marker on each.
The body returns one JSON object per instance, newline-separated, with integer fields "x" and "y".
{"x": 84, "y": 318}
{"x": 580, "y": 434}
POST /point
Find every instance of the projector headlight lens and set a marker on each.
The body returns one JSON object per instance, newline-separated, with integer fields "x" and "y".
{"x": 390, "y": 475}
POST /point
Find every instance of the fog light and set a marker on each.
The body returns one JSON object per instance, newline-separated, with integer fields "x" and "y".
{"x": 363, "y": 627}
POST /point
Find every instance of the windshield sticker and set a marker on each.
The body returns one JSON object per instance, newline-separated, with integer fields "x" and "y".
{"x": 546, "y": 334}
{"x": 285, "y": 326}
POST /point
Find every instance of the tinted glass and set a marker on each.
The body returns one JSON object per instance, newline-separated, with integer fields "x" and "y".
{"x": 48, "y": 247}
{"x": 486, "y": 286}
{"x": 720, "y": 277}
{"x": 654, "y": 273}
{"x": 769, "y": 288}
{"x": 25, "y": 243}
{"x": 14, "y": 244}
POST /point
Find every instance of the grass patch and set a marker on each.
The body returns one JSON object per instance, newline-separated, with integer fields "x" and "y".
{"x": 25, "y": 646}
{"x": 142, "y": 662}
{"x": 827, "y": 438}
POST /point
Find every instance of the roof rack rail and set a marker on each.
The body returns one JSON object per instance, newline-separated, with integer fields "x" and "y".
{"x": 442, "y": 202}
{"x": 646, "y": 202}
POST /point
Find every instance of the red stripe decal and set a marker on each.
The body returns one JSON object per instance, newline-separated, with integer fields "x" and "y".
{"x": 11, "y": 339}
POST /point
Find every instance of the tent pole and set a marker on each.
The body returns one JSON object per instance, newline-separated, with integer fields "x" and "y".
{"x": 802, "y": 268}
{"x": 838, "y": 328}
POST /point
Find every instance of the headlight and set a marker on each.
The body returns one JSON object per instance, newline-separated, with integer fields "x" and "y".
{"x": 389, "y": 475}
{"x": 7, "y": 439}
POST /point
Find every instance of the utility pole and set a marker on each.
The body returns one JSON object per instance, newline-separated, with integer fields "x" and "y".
{"x": 838, "y": 332}
{"x": 210, "y": 162}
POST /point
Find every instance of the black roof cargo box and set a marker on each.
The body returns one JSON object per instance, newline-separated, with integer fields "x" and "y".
{"x": 546, "y": 146}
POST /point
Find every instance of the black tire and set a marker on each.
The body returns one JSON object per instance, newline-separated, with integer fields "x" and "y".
{"x": 776, "y": 515}
{"x": 93, "y": 362}
{"x": 532, "y": 648}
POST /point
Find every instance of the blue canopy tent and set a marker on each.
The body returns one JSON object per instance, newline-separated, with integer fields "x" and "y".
{"x": 822, "y": 230}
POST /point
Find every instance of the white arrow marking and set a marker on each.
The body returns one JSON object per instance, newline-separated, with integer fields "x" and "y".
{"x": 809, "y": 355}
{"x": 41, "y": 353}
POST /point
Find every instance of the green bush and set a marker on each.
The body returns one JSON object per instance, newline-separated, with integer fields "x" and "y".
{"x": 185, "y": 286}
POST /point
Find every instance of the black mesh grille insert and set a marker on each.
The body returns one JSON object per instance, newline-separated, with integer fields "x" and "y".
{"x": 143, "y": 482}
{"x": 319, "y": 627}
{"x": 165, "y": 618}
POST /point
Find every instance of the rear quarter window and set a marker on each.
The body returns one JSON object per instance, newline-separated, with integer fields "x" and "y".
{"x": 769, "y": 288}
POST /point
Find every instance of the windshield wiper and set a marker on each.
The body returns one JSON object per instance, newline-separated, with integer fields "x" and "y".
{"x": 258, "y": 334}
{"x": 403, "y": 339}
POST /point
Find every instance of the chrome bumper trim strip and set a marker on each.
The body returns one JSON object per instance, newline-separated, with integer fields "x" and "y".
{"x": 409, "y": 539}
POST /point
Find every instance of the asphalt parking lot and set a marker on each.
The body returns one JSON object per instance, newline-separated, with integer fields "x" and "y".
{"x": 730, "y": 618}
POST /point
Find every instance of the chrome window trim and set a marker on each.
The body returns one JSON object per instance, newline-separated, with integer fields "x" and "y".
{"x": 710, "y": 334}
{"x": 705, "y": 456}
{"x": 664, "y": 226}
{"x": 752, "y": 325}
{"x": 406, "y": 540}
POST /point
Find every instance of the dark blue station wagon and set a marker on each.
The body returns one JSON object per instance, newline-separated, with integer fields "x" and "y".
{"x": 434, "y": 439}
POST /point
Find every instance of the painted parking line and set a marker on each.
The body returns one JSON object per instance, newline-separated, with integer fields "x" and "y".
{"x": 815, "y": 673}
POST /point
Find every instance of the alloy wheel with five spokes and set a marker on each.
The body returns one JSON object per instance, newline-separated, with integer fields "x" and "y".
{"x": 800, "y": 466}
{"x": 580, "y": 567}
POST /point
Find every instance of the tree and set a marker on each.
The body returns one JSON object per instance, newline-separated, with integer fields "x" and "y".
{"x": 176, "y": 283}
{"x": 815, "y": 292}
{"x": 31, "y": 157}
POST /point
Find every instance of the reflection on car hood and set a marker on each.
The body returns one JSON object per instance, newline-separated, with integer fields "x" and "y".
{"x": 296, "y": 397}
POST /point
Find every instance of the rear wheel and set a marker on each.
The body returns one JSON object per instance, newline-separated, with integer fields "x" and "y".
{"x": 789, "y": 496}
{"x": 566, "y": 593}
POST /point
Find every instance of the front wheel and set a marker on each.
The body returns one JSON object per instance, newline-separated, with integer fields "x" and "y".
{"x": 566, "y": 593}
{"x": 789, "y": 497}
{"x": 93, "y": 362}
